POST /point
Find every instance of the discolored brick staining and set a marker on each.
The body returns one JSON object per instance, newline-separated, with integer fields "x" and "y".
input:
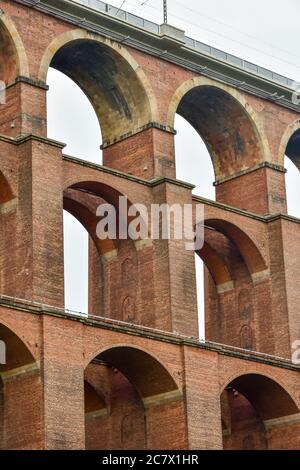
{"x": 133, "y": 374}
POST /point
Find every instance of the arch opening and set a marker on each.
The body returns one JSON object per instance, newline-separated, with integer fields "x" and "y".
{"x": 194, "y": 165}
{"x": 230, "y": 271}
{"x": 20, "y": 394}
{"x": 224, "y": 124}
{"x": 292, "y": 181}
{"x": 193, "y": 162}
{"x": 138, "y": 394}
{"x": 249, "y": 251}
{"x": 258, "y": 413}
{"x": 293, "y": 148}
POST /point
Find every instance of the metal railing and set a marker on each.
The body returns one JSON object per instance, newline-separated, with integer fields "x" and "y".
{"x": 190, "y": 42}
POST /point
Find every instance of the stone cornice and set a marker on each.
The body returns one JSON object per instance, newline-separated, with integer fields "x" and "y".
{"x": 150, "y": 183}
{"x": 150, "y": 125}
{"x": 261, "y": 165}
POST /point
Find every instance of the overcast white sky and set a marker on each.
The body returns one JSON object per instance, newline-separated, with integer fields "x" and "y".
{"x": 264, "y": 32}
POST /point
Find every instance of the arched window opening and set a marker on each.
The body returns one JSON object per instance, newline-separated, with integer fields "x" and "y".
{"x": 292, "y": 181}
{"x": 226, "y": 310}
{"x": 242, "y": 427}
{"x": 199, "y": 266}
{"x": 292, "y": 164}
{"x": 1, "y": 415}
{"x": 76, "y": 241}
{"x": 128, "y": 395}
{"x": 194, "y": 165}
{"x": 72, "y": 119}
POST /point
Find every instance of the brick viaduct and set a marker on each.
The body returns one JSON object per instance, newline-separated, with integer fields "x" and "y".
{"x": 133, "y": 374}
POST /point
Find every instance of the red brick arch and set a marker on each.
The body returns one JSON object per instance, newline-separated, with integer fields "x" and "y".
{"x": 225, "y": 121}
{"x": 18, "y": 352}
{"x": 94, "y": 400}
{"x": 216, "y": 265}
{"x": 87, "y": 217}
{"x": 258, "y": 412}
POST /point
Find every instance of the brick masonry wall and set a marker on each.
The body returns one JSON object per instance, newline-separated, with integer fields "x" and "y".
{"x": 69, "y": 346}
{"x": 148, "y": 284}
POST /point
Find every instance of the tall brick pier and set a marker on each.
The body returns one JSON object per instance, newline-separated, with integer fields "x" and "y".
{"x": 133, "y": 374}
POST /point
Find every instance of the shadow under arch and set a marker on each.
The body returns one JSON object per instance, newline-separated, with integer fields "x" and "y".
{"x": 81, "y": 211}
{"x": 149, "y": 377}
{"x": 112, "y": 80}
{"x": 254, "y": 407}
{"x": 17, "y": 353}
{"x": 113, "y": 262}
{"x": 141, "y": 395}
{"x": 216, "y": 265}
{"x": 6, "y": 193}
{"x": 290, "y": 144}
{"x": 13, "y": 56}
{"x": 249, "y": 251}
{"x": 21, "y": 394}
{"x": 224, "y": 120}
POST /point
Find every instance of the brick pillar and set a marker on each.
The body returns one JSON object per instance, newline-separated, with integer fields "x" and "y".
{"x": 291, "y": 255}
{"x": 174, "y": 271}
{"x": 25, "y": 109}
{"x": 280, "y": 321}
{"x": 260, "y": 190}
{"x": 63, "y": 385}
{"x": 147, "y": 154}
{"x": 170, "y": 419}
{"x": 203, "y": 408}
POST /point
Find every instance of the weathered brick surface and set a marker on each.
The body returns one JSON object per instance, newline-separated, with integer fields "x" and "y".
{"x": 79, "y": 384}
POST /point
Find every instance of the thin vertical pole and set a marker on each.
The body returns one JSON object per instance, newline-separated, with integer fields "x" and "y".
{"x": 165, "y": 11}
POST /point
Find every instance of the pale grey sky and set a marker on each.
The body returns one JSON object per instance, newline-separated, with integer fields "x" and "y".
{"x": 265, "y": 32}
